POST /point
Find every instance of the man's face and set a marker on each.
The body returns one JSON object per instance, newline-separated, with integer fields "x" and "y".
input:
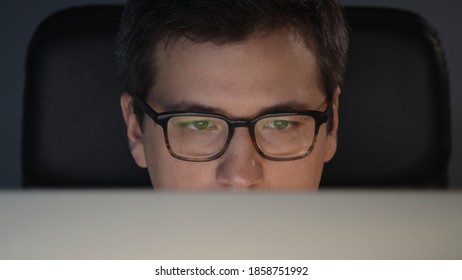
{"x": 239, "y": 81}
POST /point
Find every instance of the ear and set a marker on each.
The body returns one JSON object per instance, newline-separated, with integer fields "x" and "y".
{"x": 134, "y": 133}
{"x": 331, "y": 140}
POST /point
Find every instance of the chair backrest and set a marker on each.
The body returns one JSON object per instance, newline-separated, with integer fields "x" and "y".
{"x": 394, "y": 112}
{"x": 73, "y": 131}
{"x": 394, "y": 108}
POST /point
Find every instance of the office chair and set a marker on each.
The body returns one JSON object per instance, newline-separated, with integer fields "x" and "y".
{"x": 394, "y": 108}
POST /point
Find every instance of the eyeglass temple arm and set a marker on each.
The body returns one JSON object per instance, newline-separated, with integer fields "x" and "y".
{"x": 145, "y": 107}
{"x": 326, "y": 114}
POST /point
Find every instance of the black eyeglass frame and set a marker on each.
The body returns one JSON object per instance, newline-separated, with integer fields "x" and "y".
{"x": 162, "y": 119}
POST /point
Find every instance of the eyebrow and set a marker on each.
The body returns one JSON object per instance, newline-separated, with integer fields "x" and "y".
{"x": 289, "y": 106}
{"x": 191, "y": 106}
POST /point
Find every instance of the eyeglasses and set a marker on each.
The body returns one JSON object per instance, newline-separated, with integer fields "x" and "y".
{"x": 194, "y": 136}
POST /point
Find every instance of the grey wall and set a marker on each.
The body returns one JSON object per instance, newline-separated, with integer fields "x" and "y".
{"x": 19, "y": 18}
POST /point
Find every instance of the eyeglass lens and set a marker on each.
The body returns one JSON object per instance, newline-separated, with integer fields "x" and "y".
{"x": 202, "y": 137}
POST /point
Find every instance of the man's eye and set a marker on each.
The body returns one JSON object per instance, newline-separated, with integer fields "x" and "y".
{"x": 198, "y": 125}
{"x": 279, "y": 124}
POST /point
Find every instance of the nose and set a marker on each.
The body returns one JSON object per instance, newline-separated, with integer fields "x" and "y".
{"x": 240, "y": 166}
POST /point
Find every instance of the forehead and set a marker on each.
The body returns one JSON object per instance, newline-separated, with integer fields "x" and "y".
{"x": 264, "y": 71}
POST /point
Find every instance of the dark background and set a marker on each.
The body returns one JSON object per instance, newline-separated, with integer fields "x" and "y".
{"x": 19, "y": 18}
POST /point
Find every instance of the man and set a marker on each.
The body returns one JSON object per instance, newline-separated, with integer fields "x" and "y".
{"x": 232, "y": 94}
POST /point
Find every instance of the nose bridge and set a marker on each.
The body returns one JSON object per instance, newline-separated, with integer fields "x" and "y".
{"x": 241, "y": 164}
{"x": 242, "y": 139}
{"x": 240, "y": 123}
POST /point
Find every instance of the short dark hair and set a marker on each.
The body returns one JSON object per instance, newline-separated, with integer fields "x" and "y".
{"x": 147, "y": 23}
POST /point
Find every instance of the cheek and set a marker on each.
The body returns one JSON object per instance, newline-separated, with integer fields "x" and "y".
{"x": 167, "y": 172}
{"x": 156, "y": 154}
{"x": 154, "y": 143}
{"x": 298, "y": 174}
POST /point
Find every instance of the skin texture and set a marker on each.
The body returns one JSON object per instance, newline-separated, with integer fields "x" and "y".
{"x": 239, "y": 81}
